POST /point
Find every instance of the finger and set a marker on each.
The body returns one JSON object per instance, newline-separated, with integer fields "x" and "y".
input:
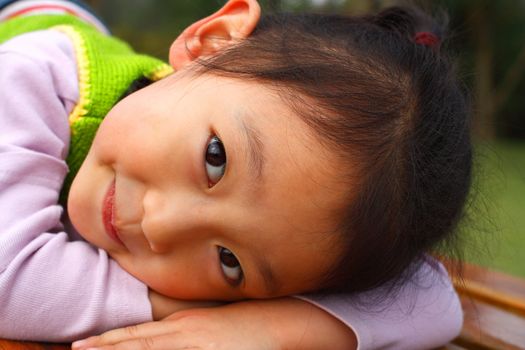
{"x": 165, "y": 342}
{"x": 145, "y": 330}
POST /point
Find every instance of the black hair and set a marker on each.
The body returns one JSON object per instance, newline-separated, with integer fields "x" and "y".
{"x": 391, "y": 108}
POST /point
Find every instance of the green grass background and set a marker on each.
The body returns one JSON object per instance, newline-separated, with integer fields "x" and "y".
{"x": 495, "y": 226}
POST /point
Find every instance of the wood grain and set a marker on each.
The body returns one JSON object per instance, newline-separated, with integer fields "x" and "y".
{"x": 494, "y": 310}
{"x": 16, "y": 345}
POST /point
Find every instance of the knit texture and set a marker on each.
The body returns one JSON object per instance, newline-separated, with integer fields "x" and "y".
{"x": 106, "y": 68}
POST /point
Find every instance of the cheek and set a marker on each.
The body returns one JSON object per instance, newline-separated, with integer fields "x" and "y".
{"x": 78, "y": 206}
{"x": 118, "y": 128}
{"x": 126, "y": 143}
{"x": 86, "y": 195}
{"x": 187, "y": 273}
{"x": 106, "y": 143}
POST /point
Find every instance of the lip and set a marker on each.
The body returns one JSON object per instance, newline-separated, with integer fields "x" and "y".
{"x": 108, "y": 214}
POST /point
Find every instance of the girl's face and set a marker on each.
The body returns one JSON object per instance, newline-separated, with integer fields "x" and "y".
{"x": 210, "y": 188}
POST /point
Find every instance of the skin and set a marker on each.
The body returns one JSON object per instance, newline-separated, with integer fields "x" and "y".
{"x": 171, "y": 218}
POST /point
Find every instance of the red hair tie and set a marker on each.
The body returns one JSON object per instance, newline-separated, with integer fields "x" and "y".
{"x": 427, "y": 39}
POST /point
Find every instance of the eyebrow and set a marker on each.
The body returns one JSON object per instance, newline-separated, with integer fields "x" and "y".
{"x": 256, "y": 165}
{"x": 271, "y": 283}
{"x": 255, "y": 149}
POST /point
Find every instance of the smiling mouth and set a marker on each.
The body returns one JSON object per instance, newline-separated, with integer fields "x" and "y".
{"x": 108, "y": 214}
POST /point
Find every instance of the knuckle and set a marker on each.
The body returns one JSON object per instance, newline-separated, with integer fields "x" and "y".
{"x": 147, "y": 343}
{"x": 131, "y": 330}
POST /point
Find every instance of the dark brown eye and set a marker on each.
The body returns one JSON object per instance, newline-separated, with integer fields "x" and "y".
{"x": 231, "y": 268}
{"x": 215, "y": 159}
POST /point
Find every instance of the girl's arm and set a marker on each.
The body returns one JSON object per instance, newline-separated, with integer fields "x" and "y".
{"x": 284, "y": 323}
{"x": 52, "y": 288}
{"x": 425, "y": 314}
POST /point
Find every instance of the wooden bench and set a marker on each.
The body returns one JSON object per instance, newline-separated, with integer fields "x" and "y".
{"x": 493, "y": 303}
{"x": 494, "y": 309}
{"x": 16, "y": 345}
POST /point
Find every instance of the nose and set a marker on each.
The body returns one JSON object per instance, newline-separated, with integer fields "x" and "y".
{"x": 171, "y": 219}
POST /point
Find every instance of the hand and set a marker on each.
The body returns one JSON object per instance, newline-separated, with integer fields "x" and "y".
{"x": 285, "y": 323}
{"x": 227, "y": 327}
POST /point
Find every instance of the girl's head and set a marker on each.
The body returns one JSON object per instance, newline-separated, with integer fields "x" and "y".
{"x": 321, "y": 153}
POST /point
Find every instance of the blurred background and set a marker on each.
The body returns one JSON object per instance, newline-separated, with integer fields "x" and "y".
{"x": 488, "y": 38}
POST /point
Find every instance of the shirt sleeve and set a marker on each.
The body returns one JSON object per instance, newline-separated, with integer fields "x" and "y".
{"x": 52, "y": 288}
{"x": 424, "y": 314}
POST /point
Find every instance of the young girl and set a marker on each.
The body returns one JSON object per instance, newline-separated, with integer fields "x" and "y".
{"x": 322, "y": 154}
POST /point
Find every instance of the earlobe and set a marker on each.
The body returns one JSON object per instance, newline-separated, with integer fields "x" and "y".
{"x": 234, "y": 21}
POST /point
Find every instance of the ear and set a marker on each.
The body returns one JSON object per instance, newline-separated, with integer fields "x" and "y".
{"x": 234, "y": 21}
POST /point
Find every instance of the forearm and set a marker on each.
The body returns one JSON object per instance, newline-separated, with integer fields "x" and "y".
{"x": 276, "y": 324}
{"x": 294, "y": 323}
{"x": 425, "y": 313}
{"x": 300, "y": 325}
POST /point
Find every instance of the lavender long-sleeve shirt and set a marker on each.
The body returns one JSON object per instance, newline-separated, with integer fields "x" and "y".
{"x": 55, "y": 287}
